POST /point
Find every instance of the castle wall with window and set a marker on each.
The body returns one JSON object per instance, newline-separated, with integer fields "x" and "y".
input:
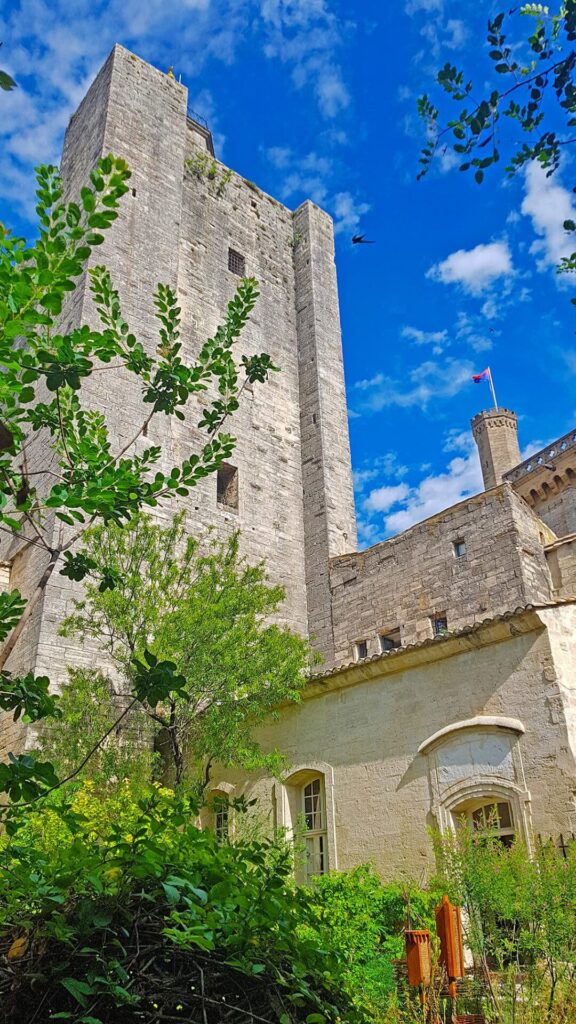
{"x": 477, "y": 559}
{"x": 424, "y": 737}
{"x": 190, "y": 222}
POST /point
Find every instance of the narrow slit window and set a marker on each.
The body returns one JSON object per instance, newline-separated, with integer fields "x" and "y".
{"x": 236, "y": 262}
{"x": 361, "y": 649}
{"x": 4, "y": 577}
{"x": 227, "y": 487}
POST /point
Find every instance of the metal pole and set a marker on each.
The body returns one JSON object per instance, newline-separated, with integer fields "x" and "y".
{"x": 492, "y": 388}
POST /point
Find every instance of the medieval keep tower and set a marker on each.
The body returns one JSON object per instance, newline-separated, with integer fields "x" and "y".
{"x": 496, "y": 435}
{"x": 189, "y": 222}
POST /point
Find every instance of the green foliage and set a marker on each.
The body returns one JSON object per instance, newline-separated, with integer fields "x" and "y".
{"x": 157, "y": 921}
{"x": 7, "y": 83}
{"x": 190, "y": 631}
{"x": 205, "y": 167}
{"x": 534, "y": 66}
{"x": 89, "y": 709}
{"x": 28, "y": 696}
{"x": 361, "y": 920}
{"x": 520, "y": 920}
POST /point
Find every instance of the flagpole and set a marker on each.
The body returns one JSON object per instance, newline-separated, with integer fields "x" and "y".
{"x": 492, "y": 388}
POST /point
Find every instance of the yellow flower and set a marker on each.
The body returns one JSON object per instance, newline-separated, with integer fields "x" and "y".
{"x": 112, "y": 874}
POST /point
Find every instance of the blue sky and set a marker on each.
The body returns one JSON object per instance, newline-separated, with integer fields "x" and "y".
{"x": 318, "y": 98}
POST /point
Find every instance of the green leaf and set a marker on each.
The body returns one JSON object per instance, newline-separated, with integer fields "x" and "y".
{"x": 78, "y": 989}
{"x": 88, "y": 200}
{"x": 6, "y": 82}
{"x": 172, "y": 894}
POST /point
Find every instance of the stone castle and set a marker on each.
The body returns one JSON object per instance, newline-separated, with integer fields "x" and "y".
{"x": 448, "y": 682}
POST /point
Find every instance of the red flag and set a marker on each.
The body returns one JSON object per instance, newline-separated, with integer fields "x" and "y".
{"x": 477, "y": 377}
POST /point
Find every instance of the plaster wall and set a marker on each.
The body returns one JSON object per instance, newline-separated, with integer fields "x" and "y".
{"x": 384, "y": 792}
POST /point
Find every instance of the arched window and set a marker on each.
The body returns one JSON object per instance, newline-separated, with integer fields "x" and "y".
{"x": 221, "y": 822}
{"x": 491, "y": 816}
{"x": 216, "y": 813}
{"x": 315, "y": 835}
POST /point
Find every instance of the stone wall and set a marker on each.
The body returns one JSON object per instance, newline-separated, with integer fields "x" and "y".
{"x": 176, "y": 225}
{"x": 407, "y": 581}
{"x": 561, "y": 558}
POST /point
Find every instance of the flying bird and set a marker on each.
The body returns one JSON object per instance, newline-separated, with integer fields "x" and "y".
{"x": 361, "y": 240}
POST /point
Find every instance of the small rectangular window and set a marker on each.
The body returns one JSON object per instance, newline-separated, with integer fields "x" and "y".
{"x": 236, "y": 263}
{"x": 4, "y": 577}
{"x": 227, "y": 487}
{"x": 361, "y": 649}
{"x": 440, "y": 624}
{"x": 459, "y": 548}
{"x": 389, "y": 640}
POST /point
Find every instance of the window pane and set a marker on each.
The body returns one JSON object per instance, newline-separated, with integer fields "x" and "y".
{"x": 505, "y": 815}
{"x": 313, "y": 806}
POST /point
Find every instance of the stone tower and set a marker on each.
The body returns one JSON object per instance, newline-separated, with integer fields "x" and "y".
{"x": 191, "y": 223}
{"x": 496, "y": 434}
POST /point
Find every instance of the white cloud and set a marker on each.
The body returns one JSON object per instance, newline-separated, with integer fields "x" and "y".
{"x": 456, "y": 34}
{"x": 332, "y": 94}
{"x": 348, "y": 211}
{"x": 461, "y": 478}
{"x": 380, "y": 515}
{"x": 311, "y": 176}
{"x": 431, "y": 380}
{"x": 279, "y": 156}
{"x": 413, "y": 6}
{"x": 383, "y": 467}
{"x": 306, "y": 35}
{"x": 438, "y": 339}
{"x": 548, "y": 205}
{"x": 475, "y": 269}
{"x": 383, "y": 498}
{"x": 56, "y": 49}
{"x": 471, "y": 329}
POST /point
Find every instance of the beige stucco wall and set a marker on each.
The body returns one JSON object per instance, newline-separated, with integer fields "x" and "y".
{"x": 362, "y": 728}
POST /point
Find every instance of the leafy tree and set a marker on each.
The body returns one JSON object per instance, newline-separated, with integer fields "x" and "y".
{"x": 89, "y": 479}
{"x": 208, "y": 611}
{"x": 89, "y": 709}
{"x": 524, "y": 105}
{"x": 527, "y": 72}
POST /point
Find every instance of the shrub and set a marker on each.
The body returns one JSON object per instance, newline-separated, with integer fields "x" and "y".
{"x": 362, "y": 922}
{"x": 101, "y": 924}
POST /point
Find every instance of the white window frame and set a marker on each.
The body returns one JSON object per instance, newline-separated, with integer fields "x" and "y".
{"x": 316, "y": 834}
{"x": 289, "y": 803}
{"x": 469, "y": 808}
